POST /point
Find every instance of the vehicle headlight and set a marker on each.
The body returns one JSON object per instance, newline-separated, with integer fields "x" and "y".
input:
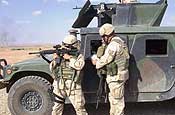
{"x": 8, "y": 71}
{"x": 11, "y": 69}
{"x": 14, "y": 68}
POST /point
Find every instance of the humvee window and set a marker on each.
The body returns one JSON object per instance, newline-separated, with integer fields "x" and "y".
{"x": 156, "y": 47}
{"x": 94, "y": 46}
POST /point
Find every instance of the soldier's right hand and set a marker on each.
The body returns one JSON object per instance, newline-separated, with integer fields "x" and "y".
{"x": 94, "y": 59}
{"x": 55, "y": 56}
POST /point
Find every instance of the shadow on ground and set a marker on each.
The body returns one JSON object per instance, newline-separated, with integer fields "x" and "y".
{"x": 153, "y": 108}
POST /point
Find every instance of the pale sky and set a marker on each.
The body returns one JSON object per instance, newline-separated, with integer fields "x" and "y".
{"x": 48, "y": 21}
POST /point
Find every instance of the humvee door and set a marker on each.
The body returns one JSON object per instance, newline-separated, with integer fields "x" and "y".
{"x": 152, "y": 66}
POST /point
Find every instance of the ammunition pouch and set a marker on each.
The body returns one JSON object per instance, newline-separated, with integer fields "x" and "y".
{"x": 101, "y": 51}
{"x": 102, "y": 71}
{"x": 67, "y": 73}
{"x": 71, "y": 74}
{"x": 112, "y": 69}
{"x": 117, "y": 90}
{"x": 77, "y": 77}
{"x": 123, "y": 75}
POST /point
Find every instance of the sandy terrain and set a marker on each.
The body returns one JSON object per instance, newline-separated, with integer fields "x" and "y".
{"x": 16, "y": 54}
{"x": 3, "y": 103}
{"x": 13, "y": 55}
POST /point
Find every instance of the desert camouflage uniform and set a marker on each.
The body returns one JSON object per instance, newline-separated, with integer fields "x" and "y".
{"x": 115, "y": 82}
{"x": 75, "y": 94}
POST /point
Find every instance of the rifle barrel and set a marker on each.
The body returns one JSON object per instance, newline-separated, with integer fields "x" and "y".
{"x": 44, "y": 52}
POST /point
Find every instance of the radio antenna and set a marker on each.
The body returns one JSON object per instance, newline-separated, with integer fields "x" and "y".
{"x": 77, "y": 7}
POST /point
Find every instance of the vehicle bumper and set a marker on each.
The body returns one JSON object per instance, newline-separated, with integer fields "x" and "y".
{"x": 3, "y": 63}
{"x": 2, "y": 84}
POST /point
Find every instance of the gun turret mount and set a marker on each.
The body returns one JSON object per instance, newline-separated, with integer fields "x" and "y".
{"x": 150, "y": 14}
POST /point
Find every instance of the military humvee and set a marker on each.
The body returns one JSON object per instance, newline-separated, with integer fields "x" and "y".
{"x": 151, "y": 69}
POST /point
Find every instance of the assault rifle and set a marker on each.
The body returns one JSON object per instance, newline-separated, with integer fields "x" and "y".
{"x": 102, "y": 91}
{"x": 59, "y": 50}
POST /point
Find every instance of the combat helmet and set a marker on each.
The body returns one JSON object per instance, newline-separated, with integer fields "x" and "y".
{"x": 70, "y": 40}
{"x": 106, "y": 29}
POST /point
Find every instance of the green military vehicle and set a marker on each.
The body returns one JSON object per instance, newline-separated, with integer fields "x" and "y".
{"x": 152, "y": 59}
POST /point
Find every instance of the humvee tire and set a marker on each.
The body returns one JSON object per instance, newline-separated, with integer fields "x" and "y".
{"x": 30, "y": 96}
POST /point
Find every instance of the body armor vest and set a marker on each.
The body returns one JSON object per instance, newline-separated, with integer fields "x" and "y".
{"x": 121, "y": 59}
{"x": 66, "y": 71}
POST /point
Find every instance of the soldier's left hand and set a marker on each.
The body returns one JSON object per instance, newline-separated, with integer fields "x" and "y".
{"x": 94, "y": 62}
{"x": 94, "y": 59}
{"x": 55, "y": 56}
{"x": 67, "y": 56}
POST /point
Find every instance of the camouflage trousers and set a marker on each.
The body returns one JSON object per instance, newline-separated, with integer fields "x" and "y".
{"x": 76, "y": 97}
{"x": 116, "y": 95}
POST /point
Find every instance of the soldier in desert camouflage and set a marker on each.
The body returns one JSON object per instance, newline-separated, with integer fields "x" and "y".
{"x": 116, "y": 60}
{"x": 67, "y": 78}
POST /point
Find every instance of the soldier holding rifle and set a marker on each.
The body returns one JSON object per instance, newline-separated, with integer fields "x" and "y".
{"x": 66, "y": 71}
{"x": 116, "y": 60}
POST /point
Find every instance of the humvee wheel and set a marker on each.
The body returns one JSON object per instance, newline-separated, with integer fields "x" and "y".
{"x": 30, "y": 96}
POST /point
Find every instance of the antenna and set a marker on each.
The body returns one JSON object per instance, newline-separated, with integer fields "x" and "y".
{"x": 76, "y": 7}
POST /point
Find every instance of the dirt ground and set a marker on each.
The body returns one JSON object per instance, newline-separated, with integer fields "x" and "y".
{"x": 3, "y": 103}
{"x": 16, "y": 54}
{"x": 13, "y": 55}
